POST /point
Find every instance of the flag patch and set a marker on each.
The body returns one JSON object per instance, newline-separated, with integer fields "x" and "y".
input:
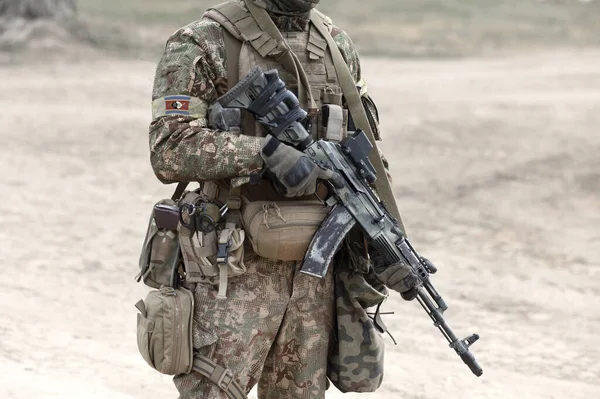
{"x": 178, "y": 105}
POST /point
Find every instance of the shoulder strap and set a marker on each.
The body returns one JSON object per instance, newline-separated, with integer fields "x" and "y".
{"x": 288, "y": 59}
{"x": 361, "y": 121}
{"x": 253, "y": 25}
{"x": 235, "y": 18}
{"x": 233, "y": 47}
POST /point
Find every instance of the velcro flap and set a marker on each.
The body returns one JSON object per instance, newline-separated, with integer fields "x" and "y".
{"x": 268, "y": 46}
{"x": 141, "y": 306}
{"x": 248, "y": 28}
{"x": 315, "y": 52}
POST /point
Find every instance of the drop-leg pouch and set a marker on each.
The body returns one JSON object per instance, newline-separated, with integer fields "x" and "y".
{"x": 164, "y": 330}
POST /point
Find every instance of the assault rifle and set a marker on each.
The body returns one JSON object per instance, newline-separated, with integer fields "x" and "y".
{"x": 352, "y": 199}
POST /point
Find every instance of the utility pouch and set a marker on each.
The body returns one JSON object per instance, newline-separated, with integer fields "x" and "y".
{"x": 164, "y": 330}
{"x": 334, "y": 123}
{"x": 282, "y": 230}
{"x": 160, "y": 255}
{"x": 356, "y": 362}
{"x": 212, "y": 249}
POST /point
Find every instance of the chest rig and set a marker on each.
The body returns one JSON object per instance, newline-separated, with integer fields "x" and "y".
{"x": 249, "y": 45}
{"x": 251, "y": 39}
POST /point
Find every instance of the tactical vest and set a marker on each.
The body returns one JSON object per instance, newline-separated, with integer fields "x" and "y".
{"x": 248, "y": 44}
{"x": 255, "y": 47}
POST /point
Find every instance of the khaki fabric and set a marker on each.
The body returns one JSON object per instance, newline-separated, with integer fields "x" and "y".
{"x": 260, "y": 49}
{"x": 160, "y": 252}
{"x": 164, "y": 330}
{"x": 274, "y": 330}
{"x": 282, "y": 230}
{"x": 199, "y": 250}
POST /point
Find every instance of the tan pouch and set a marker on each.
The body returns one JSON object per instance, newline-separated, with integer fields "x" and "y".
{"x": 160, "y": 257}
{"x": 282, "y": 230}
{"x": 199, "y": 250}
{"x": 164, "y": 330}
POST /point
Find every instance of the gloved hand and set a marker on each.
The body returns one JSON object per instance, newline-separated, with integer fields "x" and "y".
{"x": 401, "y": 278}
{"x": 292, "y": 170}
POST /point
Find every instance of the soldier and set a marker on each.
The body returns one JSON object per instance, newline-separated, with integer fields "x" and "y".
{"x": 275, "y": 327}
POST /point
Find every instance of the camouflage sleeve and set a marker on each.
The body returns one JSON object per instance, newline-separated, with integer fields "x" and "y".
{"x": 190, "y": 76}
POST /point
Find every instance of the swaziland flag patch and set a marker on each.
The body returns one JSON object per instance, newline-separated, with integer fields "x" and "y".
{"x": 177, "y": 105}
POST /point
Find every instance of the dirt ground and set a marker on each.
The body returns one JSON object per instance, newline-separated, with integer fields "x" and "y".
{"x": 496, "y": 168}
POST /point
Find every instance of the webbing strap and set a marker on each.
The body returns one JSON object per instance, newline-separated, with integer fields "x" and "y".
{"x": 288, "y": 59}
{"x": 222, "y": 377}
{"x": 382, "y": 184}
{"x": 233, "y": 47}
{"x": 179, "y": 190}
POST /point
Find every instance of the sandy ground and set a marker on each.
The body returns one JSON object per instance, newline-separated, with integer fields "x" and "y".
{"x": 496, "y": 169}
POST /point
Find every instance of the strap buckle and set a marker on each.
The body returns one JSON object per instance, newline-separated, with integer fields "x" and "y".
{"x": 221, "y": 383}
{"x": 223, "y": 246}
{"x": 222, "y": 253}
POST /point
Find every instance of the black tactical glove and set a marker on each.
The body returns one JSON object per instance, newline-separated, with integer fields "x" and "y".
{"x": 401, "y": 278}
{"x": 294, "y": 173}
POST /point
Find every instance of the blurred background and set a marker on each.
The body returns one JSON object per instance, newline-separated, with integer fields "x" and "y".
{"x": 490, "y": 113}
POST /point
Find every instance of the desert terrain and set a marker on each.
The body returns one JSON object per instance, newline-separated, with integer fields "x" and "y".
{"x": 496, "y": 170}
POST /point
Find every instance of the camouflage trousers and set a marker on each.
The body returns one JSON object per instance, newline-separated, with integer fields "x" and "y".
{"x": 275, "y": 329}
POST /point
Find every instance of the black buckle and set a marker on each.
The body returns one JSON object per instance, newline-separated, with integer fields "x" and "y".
{"x": 222, "y": 253}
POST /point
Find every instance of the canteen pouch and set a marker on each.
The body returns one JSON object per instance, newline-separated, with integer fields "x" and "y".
{"x": 164, "y": 330}
{"x": 356, "y": 362}
{"x": 282, "y": 230}
{"x": 199, "y": 249}
{"x": 160, "y": 255}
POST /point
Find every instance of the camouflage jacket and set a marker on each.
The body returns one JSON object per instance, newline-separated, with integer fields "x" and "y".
{"x": 184, "y": 147}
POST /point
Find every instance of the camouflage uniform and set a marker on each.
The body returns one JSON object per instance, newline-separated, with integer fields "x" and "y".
{"x": 275, "y": 328}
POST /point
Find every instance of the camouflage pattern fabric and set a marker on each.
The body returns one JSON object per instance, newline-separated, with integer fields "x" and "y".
{"x": 276, "y": 326}
{"x": 356, "y": 364}
{"x": 288, "y": 6}
{"x": 274, "y": 329}
{"x": 185, "y": 148}
{"x": 290, "y": 24}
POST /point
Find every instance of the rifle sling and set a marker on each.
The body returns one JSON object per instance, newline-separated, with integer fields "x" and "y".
{"x": 382, "y": 184}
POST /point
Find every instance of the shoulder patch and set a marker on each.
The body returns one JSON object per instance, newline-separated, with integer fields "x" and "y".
{"x": 179, "y": 105}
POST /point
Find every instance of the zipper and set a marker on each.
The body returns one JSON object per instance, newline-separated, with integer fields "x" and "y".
{"x": 177, "y": 316}
{"x": 280, "y": 205}
{"x": 170, "y": 292}
{"x": 281, "y": 225}
{"x": 278, "y": 225}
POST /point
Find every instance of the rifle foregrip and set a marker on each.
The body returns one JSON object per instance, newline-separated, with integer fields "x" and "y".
{"x": 470, "y": 361}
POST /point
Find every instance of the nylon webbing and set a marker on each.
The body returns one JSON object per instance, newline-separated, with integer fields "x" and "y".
{"x": 179, "y": 190}
{"x": 223, "y": 378}
{"x": 288, "y": 59}
{"x": 233, "y": 47}
{"x": 382, "y": 184}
